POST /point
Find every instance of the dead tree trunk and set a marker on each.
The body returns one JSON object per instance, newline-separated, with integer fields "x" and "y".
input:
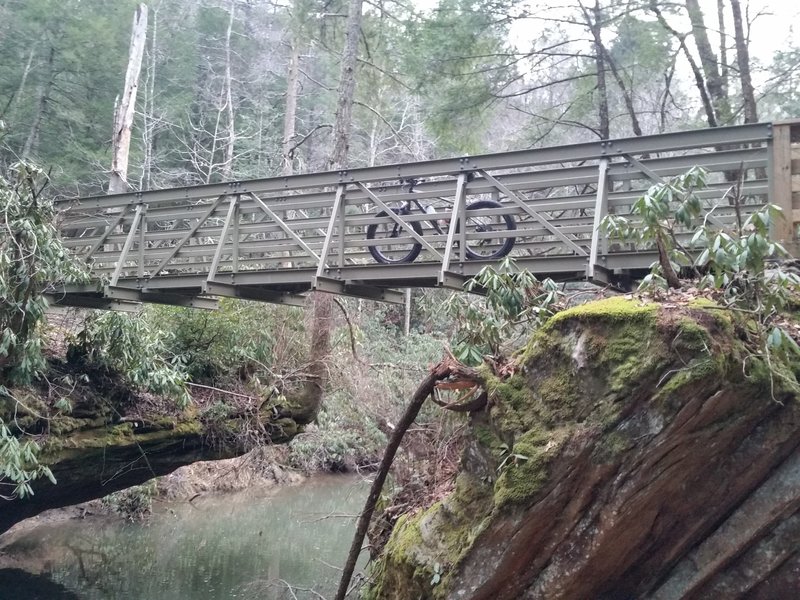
{"x": 149, "y": 131}
{"x": 125, "y": 109}
{"x": 230, "y": 138}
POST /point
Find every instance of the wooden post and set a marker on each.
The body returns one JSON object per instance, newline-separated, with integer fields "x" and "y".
{"x": 125, "y": 108}
{"x": 783, "y": 229}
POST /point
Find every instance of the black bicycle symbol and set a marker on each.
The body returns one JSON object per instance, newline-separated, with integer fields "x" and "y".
{"x": 483, "y": 247}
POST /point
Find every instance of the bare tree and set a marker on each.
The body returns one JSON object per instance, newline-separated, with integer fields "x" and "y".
{"x": 126, "y": 105}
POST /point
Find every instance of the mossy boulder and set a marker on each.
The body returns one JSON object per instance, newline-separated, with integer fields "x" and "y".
{"x": 628, "y": 433}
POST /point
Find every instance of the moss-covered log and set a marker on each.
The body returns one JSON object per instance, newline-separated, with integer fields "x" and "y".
{"x": 640, "y": 451}
{"x": 114, "y": 438}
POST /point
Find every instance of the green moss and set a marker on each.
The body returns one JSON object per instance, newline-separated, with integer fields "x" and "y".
{"x": 402, "y": 571}
{"x": 524, "y": 475}
{"x": 612, "y": 445}
{"x": 63, "y": 424}
{"x": 487, "y": 437}
{"x": 442, "y": 534}
{"x": 691, "y": 335}
{"x": 617, "y": 309}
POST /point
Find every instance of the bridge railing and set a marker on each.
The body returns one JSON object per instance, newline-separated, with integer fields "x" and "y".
{"x": 276, "y": 238}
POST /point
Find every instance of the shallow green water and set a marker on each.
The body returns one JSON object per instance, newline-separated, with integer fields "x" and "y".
{"x": 242, "y": 545}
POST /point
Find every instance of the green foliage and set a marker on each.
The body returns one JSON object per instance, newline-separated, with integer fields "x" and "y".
{"x": 458, "y": 58}
{"x": 658, "y": 217}
{"x": 240, "y": 336}
{"x": 513, "y": 298}
{"x": 738, "y": 263}
{"x": 19, "y": 464}
{"x": 32, "y": 259}
{"x": 131, "y": 346}
{"x": 343, "y": 438}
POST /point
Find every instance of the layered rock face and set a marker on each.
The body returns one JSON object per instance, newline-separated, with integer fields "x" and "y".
{"x": 639, "y": 451}
{"x": 115, "y": 438}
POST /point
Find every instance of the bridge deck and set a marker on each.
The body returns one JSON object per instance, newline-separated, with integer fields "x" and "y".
{"x": 275, "y": 239}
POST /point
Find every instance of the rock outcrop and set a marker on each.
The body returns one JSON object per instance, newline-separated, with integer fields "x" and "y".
{"x": 639, "y": 451}
{"x": 114, "y": 438}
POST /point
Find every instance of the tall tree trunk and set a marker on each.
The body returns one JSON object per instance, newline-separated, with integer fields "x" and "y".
{"x": 699, "y": 81}
{"x": 594, "y": 21}
{"x": 230, "y": 138}
{"x": 149, "y": 131}
{"x": 290, "y": 115}
{"x": 743, "y": 62}
{"x": 723, "y": 46}
{"x": 125, "y": 110}
{"x": 708, "y": 60}
{"x": 347, "y": 88}
{"x": 323, "y": 303}
{"x": 41, "y": 106}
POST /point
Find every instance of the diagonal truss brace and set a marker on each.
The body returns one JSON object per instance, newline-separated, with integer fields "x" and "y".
{"x": 282, "y": 224}
{"x": 232, "y": 208}
{"x": 338, "y": 207}
{"x": 406, "y": 227}
{"x": 524, "y": 206}
{"x": 653, "y": 176}
{"x": 123, "y": 213}
{"x": 137, "y": 219}
{"x": 188, "y": 235}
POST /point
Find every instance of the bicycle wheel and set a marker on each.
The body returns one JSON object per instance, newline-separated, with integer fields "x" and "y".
{"x": 393, "y": 252}
{"x": 487, "y": 247}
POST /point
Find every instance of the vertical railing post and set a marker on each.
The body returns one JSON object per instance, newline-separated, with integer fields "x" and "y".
{"x": 142, "y": 241}
{"x": 456, "y": 223}
{"x": 235, "y": 235}
{"x": 599, "y": 241}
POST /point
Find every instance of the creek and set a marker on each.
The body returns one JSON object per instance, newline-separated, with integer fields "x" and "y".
{"x": 251, "y": 544}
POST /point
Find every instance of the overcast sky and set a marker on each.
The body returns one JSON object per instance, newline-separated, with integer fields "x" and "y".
{"x": 771, "y": 30}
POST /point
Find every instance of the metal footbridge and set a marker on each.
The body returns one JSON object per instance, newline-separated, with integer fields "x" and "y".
{"x": 278, "y": 238}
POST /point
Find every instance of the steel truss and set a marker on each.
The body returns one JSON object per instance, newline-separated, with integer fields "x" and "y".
{"x": 276, "y": 239}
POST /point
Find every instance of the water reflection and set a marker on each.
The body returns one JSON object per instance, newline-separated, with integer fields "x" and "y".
{"x": 219, "y": 547}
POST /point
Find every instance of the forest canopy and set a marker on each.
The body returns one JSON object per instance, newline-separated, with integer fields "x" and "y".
{"x": 234, "y": 89}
